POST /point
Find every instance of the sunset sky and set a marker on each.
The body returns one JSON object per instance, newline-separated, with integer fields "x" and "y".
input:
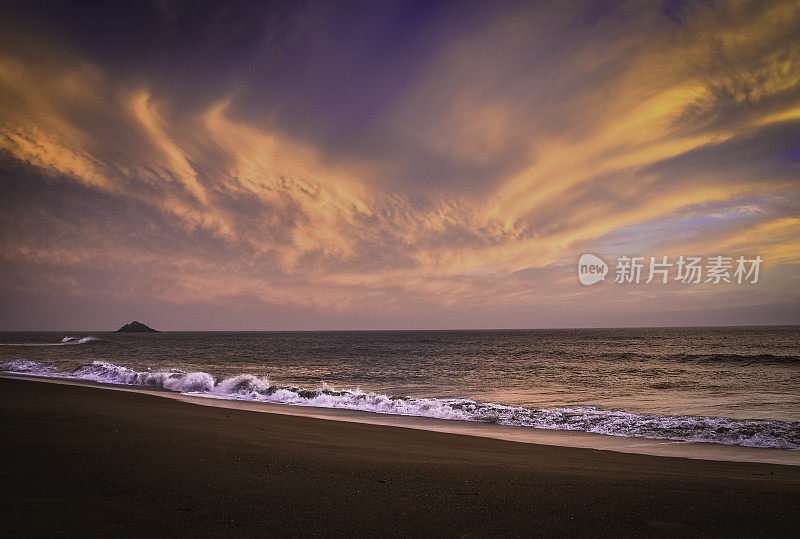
{"x": 379, "y": 165}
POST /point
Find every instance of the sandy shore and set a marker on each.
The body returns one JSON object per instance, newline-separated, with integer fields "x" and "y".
{"x": 561, "y": 438}
{"x": 78, "y": 460}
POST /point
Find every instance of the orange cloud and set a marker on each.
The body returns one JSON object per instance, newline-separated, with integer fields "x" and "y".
{"x": 593, "y": 142}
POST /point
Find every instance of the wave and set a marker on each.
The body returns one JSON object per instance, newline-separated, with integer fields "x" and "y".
{"x": 758, "y": 358}
{"x": 79, "y": 340}
{"x": 747, "y": 433}
{"x": 738, "y": 358}
{"x": 64, "y": 342}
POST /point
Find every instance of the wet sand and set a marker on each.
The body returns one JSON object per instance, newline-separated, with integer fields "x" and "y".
{"x": 82, "y": 460}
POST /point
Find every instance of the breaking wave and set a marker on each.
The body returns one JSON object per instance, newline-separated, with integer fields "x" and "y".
{"x": 748, "y": 433}
{"x": 64, "y": 342}
{"x": 79, "y": 340}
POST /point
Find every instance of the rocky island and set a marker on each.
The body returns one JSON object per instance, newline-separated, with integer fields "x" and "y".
{"x": 136, "y": 327}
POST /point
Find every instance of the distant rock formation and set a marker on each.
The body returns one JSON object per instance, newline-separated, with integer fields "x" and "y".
{"x": 136, "y": 327}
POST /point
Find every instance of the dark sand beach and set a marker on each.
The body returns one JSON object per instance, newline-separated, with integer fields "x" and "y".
{"x": 80, "y": 460}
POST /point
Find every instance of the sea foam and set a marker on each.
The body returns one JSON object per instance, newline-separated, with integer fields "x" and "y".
{"x": 66, "y": 341}
{"x": 741, "y": 432}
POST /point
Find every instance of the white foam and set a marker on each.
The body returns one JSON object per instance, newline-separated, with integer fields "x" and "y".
{"x": 64, "y": 342}
{"x": 747, "y": 433}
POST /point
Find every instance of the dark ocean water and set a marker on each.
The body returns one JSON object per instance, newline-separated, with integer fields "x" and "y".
{"x": 737, "y": 386}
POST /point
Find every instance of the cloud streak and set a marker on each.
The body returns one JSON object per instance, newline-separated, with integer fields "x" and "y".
{"x": 578, "y": 131}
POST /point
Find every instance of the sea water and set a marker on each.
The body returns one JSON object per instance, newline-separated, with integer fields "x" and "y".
{"x": 733, "y": 386}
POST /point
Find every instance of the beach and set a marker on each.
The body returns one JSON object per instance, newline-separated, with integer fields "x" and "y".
{"x": 400, "y": 269}
{"x": 83, "y": 460}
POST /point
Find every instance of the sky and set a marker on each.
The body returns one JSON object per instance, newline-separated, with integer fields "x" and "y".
{"x": 394, "y": 165}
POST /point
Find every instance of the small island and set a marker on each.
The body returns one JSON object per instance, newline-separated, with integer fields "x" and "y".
{"x": 136, "y": 327}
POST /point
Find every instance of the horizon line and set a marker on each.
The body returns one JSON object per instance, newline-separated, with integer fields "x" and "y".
{"x": 364, "y": 330}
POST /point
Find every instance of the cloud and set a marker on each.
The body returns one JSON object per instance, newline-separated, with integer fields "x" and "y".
{"x": 578, "y": 131}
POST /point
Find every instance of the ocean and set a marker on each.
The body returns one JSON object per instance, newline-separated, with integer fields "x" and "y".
{"x": 733, "y": 386}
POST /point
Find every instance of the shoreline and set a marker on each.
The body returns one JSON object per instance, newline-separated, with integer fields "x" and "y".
{"x": 529, "y": 435}
{"x": 119, "y": 462}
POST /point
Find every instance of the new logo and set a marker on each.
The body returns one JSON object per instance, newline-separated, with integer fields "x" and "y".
{"x": 591, "y": 269}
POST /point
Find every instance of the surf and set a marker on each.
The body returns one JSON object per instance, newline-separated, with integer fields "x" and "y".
{"x": 760, "y": 433}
